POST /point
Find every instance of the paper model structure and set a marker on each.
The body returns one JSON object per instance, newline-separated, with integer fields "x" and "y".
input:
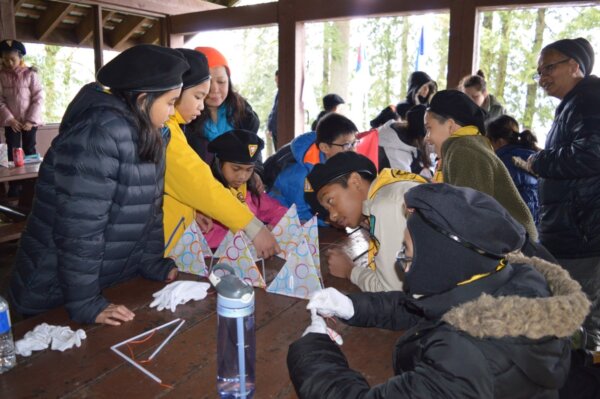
{"x": 287, "y": 231}
{"x": 298, "y": 277}
{"x": 190, "y": 251}
{"x": 311, "y": 233}
{"x": 237, "y": 255}
{"x": 220, "y": 251}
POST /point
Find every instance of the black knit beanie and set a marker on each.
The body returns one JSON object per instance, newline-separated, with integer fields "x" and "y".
{"x": 579, "y": 49}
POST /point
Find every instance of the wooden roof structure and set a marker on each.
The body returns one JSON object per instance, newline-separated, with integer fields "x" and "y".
{"x": 118, "y": 24}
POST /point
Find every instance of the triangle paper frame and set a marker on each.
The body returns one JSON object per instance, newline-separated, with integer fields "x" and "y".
{"x": 287, "y": 230}
{"x": 237, "y": 254}
{"x": 191, "y": 250}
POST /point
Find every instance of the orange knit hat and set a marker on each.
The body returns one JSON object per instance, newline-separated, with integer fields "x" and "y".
{"x": 215, "y": 58}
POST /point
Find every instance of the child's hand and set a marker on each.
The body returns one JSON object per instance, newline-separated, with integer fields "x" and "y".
{"x": 172, "y": 275}
{"x": 340, "y": 264}
{"x": 265, "y": 244}
{"x": 15, "y": 125}
{"x": 27, "y": 126}
{"x": 113, "y": 315}
{"x": 204, "y": 222}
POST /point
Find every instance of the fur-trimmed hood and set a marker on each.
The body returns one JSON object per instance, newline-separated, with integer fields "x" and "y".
{"x": 559, "y": 315}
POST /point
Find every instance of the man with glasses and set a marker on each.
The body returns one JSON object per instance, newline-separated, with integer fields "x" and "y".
{"x": 569, "y": 168}
{"x": 479, "y": 319}
{"x": 335, "y": 133}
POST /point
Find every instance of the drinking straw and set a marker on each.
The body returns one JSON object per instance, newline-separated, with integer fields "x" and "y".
{"x": 166, "y": 340}
{"x": 143, "y": 370}
{"x": 145, "y": 333}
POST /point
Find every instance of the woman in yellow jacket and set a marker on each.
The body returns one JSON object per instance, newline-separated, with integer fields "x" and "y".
{"x": 189, "y": 182}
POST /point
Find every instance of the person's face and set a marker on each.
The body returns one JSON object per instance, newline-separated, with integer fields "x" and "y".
{"x": 344, "y": 204}
{"x": 404, "y": 256}
{"x": 219, "y": 87}
{"x": 236, "y": 174}
{"x": 424, "y": 90}
{"x": 163, "y": 107}
{"x": 477, "y": 96}
{"x": 191, "y": 102}
{"x": 437, "y": 132}
{"x": 11, "y": 59}
{"x": 346, "y": 142}
{"x": 558, "y": 73}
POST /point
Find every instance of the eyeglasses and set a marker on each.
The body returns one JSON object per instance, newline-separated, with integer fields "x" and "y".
{"x": 402, "y": 260}
{"x": 547, "y": 69}
{"x": 347, "y": 146}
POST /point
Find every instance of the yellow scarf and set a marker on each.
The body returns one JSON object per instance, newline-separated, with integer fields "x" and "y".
{"x": 385, "y": 177}
{"x": 240, "y": 193}
{"x": 470, "y": 130}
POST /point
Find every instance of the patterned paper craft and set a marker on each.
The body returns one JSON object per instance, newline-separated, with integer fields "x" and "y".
{"x": 298, "y": 277}
{"x": 287, "y": 231}
{"x": 237, "y": 255}
{"x": 220, "y": 251}
{"x": 190, "y": 251}
{"x": 311, "y": 233}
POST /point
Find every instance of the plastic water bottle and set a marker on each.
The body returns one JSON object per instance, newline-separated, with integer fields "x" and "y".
{"x": 8, "y": 359}
{"x": 236, "y": 342}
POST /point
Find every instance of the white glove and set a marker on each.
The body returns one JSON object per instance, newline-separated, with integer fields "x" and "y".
{"x": 64, "y": 338}
{"x": 178, "y": 293}
{"x": 330, "y": 302}
{"x": 317, "y": 326}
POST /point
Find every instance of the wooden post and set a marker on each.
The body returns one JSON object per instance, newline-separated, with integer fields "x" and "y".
{"x": 8, "y": 29}
{"x": 461, "y": 48}
{"x": 290, "y": 112}
{"x": 98, "y": 38}
{"x": 173, "y": 40}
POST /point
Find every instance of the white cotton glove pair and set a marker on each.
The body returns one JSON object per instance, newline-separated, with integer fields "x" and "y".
{"x": 61, "y": 338}
{"x": 178, "y": 293}
{"x": 319, "y": 326}
{"x": 330, "y": 302}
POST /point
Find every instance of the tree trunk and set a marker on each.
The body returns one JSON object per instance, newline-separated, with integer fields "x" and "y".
{"x": 540, "y": 26}
{"x": 486, "y": 54}
{"x": 327, "y": 43}
{"x": 406, "y": 69}
{"x": 502, "y": 62}
{"x": 340, "y": 73}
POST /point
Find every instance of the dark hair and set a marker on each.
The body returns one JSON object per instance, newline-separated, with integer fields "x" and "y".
{"x": 332, "y": 126}
{"x": 343, "y": 180}
{"x": 507, "y": 128}
{"x": 217, "y": 172}
{"x": 444, "y": 119}
{"x": 401, "y": 129}
{"x": 150, "y": 143}
{"x": 476, "y": 81}
{"x": 234, "y": 103}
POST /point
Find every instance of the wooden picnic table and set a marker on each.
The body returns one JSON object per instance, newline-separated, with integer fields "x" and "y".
{"x": 188, "y": 361}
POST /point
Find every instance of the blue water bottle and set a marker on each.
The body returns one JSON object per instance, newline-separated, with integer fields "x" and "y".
{"x": 236, "y": 342}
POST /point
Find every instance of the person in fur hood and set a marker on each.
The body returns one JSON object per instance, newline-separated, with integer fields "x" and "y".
{"x": 480, "y": 319}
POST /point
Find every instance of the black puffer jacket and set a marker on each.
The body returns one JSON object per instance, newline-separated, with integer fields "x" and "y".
{"x": 416, "y": 80}
{"x": 569, "y": 170}
{"x": 504, "y": 336}
{"x": 97, "y": 213}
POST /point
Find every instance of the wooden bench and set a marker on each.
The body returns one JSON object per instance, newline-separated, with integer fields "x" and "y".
{"x": 11, "y": 231}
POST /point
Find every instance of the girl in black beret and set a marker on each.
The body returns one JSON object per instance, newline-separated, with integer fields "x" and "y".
{"x": 455, "y": 126}
{"x": 96, "y": 218}
{"x": 191, "y": 191}
{"x": 236, "y": 153}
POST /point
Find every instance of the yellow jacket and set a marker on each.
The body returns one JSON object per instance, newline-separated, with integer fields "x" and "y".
{"x": 190, "y": 186}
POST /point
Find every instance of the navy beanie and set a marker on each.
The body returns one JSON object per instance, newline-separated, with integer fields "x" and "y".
{"x": 579, "y": 49}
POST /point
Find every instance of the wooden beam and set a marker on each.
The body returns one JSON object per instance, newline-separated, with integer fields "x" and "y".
{"x": 8, "y": 28}
{"x": 98, "y": 37}
{"x": 155, "y": 8}
{"x": 461, "y": 48}
{"x": 238, "y": 17}
{"x": 152, "y": 35}
{"x": 51, "y": 18}
{"x": 124, "y": 30}
{"x": 19, "y": 3}
{"x": 171, "y": 39}
{"x": 85, "y": 29}
{"x": 290, "y": 111}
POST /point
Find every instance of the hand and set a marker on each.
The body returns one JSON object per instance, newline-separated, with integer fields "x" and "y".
{"x": 204, "y": 222}
{"x": 172, "y": 275}
{"x": 265, "y": 244}
{"x": 27, "y": 126}
{"x": 317, "y": 326}
{"x": 258, "y": 183}
{"x": 15, "y": 125}
{"x": 330, "y": 302}
{"x": 340, "y": 264}
{"x": 114, "y": 314}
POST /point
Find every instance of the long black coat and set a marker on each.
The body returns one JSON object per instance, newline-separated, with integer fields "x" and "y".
{"x": 503, "y": 336}
{"x": 569, "y": 170}
{"x": 97, "y": 213}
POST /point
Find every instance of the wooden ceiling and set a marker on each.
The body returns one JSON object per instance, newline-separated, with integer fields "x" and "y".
{"x": 72, "y": 24}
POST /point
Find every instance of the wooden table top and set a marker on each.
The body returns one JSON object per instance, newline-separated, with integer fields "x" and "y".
{"x": 188, "y": 361}
{"x": 29, "y": 171}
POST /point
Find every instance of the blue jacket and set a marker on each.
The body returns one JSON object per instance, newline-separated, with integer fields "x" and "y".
{"x": 526, "y": 183}
{"x": 288, "y": 188}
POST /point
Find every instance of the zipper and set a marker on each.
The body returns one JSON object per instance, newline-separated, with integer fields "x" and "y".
{"x": 174, "y": 231}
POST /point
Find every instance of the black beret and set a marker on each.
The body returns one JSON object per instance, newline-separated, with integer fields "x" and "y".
{"x": 238, "y": 146}
{"x": 387, "y": 114}
{"x": 458, "y": 106}
{"x": 198, "y": 71}
{"x": 579, "y": 49}
{"x": 415, "y": 117}
{"x": 457, "y": 233}
{"x": 12, "y": 45}
{"x": 144, "y": 68}
{"x": 332, "y": 100}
